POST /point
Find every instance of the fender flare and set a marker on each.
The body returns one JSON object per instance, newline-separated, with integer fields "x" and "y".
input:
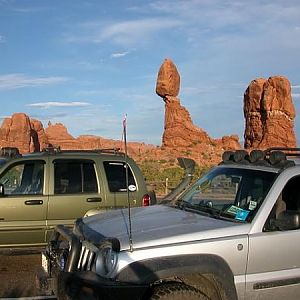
{"x": 151, "y": 270}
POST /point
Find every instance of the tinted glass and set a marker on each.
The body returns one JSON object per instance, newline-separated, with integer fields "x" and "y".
{"x": 25, "y": 178}
{"x": 116, "y": 176}
{"x": 72, "y": 177}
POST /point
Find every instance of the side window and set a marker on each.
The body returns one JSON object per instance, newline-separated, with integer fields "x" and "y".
{"x": 116, "y": 176}
{"x": 73, "y": 177}
{"x": 26, "y": 178}
{"x": 288, "y": 200}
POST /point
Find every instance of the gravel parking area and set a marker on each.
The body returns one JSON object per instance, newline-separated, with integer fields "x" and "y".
{"x": 17, "y": 274}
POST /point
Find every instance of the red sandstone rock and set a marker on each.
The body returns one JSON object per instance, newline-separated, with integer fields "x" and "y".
{"x": 39, "y": 137}
{"x": 168, "y": 80}
{"x": 57, "y": 132}
{"x": 16, "y": 131}
{"x": 180, "y": 134}
{"x": 179, "y": 128}
{"x": 230, "y": 142}
{"x": 19, "y": 131}
{"x": 269, "y": 113}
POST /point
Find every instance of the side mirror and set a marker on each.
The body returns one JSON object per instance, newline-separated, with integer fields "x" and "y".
{"x": 1, "y": 190}
{"x": 288, "y": 220}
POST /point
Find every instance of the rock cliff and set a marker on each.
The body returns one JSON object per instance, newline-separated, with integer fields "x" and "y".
{"x": 269, "y": 114}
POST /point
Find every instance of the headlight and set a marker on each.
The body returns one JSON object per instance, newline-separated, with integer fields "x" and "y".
{"x": 106, "y": 261}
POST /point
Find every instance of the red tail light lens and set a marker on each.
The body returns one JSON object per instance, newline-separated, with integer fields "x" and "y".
{"x": 146, "y": 200}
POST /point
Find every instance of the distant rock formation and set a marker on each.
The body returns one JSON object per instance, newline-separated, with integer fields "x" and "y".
{"x": 29, "y": 135}
{"x": 19, "y": 132}
{"x": 179, "y": 130}
{"x": 269, "y": 114}
{"x": 268, "y": 110}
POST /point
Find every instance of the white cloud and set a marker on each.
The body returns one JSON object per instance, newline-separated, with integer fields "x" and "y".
{"x": 45, "y": 105}
{"x": 119, "y": 54}
{"x": 295, "y": 86}
{"x": 133, "y": 31}
{"x": 296, "y": 95}
{"x": 2, "y": 39}
{"x": 16, "y": 81}
{"x": 123, "y": 33}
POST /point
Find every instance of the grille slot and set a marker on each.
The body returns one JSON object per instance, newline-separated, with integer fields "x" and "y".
{"x": 87, "y": 257}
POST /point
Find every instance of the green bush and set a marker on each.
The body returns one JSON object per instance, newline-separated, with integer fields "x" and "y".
{"x": 156, "y": 172}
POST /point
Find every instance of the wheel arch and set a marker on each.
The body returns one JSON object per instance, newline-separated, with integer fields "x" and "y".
{"x": 213, "y": 268}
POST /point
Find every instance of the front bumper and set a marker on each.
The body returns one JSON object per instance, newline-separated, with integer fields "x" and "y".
{"x": 75, "y": 282}
{"x": 82, "y": 284}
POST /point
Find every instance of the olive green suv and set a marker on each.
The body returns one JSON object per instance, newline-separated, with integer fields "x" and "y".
{"x": 41, "y": 190}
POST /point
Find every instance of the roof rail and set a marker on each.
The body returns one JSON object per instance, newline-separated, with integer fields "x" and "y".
{"x": 286, "y": 150}
{"x": 10, "y": 152}
{"x": 53, "y": 150}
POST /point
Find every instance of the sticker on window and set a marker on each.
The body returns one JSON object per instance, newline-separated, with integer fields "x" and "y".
{"x": 252, "y": 205}
{"x": 242, "y": 215}
{"x": 233, "y": 209}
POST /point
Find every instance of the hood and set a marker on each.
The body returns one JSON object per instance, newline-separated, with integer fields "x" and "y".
{"x": 161, "y": 224}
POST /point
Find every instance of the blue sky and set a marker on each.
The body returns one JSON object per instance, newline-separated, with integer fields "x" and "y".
{"x": 88, "y": 63}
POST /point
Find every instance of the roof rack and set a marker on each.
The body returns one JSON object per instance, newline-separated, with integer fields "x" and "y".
{"x": 286, "y": 150}
{"x": 54, "y": 150}
{"x": 10, "y": 152}
{"x": 275, "y": 157}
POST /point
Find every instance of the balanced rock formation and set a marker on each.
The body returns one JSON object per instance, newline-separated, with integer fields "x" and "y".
{"x": 179, "y": 131}
{"x": 168, "y": 80}
{"x": 269, "y": 114}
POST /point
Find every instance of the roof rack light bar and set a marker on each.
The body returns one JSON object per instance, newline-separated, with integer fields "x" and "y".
{"x": 286, "y": 150}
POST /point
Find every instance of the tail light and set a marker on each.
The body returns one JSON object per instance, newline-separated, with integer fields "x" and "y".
{"x": 146, "y": 200}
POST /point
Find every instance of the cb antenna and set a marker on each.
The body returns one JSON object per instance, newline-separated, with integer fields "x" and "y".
{"x": 127, "y": 181}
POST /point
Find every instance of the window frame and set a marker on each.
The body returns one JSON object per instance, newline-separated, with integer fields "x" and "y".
{"x": 79, "y": 163}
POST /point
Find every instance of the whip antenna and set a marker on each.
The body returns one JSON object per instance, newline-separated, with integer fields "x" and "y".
{"x": 127, "y": 181}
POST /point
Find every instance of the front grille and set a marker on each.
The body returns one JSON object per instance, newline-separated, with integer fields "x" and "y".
{"x": 87, "y": 258}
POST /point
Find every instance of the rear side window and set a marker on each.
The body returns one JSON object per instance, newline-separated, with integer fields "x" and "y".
{"x": 116, "y": 176}
{"x": 73, "y": 177}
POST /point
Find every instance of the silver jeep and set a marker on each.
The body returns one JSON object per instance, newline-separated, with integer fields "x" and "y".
{"x": 234, "y": 234}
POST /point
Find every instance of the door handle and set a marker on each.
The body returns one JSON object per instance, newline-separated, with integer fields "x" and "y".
{"x": 94, "y": 199}
{"x": 34, "y": 202}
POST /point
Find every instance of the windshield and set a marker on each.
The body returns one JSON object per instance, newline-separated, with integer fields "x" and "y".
{"x": 231, "y": 193}
{"x": 2, "y": 161}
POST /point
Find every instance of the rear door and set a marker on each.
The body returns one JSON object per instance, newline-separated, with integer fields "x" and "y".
{"x": 24, "y": 205}
{"x": 116, "y": 185}
{"x": 73, "y": 190}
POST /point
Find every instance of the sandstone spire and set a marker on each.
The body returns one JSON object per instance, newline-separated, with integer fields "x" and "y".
{"x": 179, "y": 130}
{"x": 269, "y": 114}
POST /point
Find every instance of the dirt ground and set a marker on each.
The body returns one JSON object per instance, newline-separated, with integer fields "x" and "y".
{"x": 18, "y": 273}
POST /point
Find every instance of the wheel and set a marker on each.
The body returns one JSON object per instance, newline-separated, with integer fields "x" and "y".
{"x": 60, "y": 289}
{"x": 72, "y": 290}
{"x": 176, "y": 291}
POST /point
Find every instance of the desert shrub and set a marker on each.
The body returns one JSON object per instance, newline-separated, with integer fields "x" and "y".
{"x": 156, "y": 173}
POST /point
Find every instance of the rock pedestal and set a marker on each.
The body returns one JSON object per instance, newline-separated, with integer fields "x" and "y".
{"x": 179, "y": 131}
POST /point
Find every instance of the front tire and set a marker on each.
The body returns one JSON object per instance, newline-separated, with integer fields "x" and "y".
{"x": 176, "y": 291}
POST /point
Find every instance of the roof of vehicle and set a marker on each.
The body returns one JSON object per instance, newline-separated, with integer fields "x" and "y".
{"x": 8, "y": 153}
